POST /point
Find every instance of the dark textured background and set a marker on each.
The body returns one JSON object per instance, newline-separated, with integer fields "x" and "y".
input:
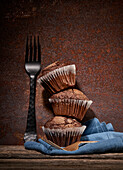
{"x": 84, "y": 32}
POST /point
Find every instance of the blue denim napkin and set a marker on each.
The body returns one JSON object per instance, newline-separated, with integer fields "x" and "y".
{"x": 109, "y": 141}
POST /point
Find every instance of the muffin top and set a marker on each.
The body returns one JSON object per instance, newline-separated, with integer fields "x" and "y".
{"x": 52, "y": 67}
{"x": 60, "y": 122}
{"x": 70, "y": 94}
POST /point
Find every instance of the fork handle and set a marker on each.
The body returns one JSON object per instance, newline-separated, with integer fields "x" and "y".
{"x": 31, "y": 119}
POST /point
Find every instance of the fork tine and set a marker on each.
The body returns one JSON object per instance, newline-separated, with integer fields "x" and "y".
{"x": 26, "y": 55}
{"x": 39, "y": 52}
{"x": 30, "y": 48}
{"x": 35, "y": 49}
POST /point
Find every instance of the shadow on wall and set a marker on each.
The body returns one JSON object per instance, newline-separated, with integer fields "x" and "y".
{"x": 90, "y": 113}
{"x": 46, "y": 95}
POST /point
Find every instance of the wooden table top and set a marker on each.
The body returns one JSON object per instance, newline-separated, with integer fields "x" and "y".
{"x": 17, "y": 157}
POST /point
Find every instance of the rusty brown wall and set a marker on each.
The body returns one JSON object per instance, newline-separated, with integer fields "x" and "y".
{"x": 84, "y": 32}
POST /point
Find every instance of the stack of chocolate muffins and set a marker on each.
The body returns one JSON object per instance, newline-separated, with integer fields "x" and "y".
{"x": 67, "y": 102}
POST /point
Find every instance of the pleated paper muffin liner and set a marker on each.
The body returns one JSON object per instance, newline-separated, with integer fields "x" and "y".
{"x": 64, "y": 137}
{"x": 59, "y": 79}
{"x": 70, "y": 107}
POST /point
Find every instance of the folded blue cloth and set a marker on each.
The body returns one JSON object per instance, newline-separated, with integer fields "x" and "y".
{"x": 94, "y": 126}
{"x": 109, "y": 141}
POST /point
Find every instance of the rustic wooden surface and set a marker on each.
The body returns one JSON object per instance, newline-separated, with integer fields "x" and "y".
{"x": 16, "y": 157}
{"x": 87, "y": 33}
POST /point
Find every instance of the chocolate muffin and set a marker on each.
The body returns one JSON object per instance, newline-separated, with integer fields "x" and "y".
{"x": 63, "y": 131}
{"x": 58, "y": 76}
{"x": 52, "y": 67}
{"x": 71, "y": 102}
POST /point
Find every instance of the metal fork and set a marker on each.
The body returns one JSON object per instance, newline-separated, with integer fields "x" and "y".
{"x": 32, "y": 67}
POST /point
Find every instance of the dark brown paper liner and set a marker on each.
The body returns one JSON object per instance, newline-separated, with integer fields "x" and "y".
{"x": 70, "y": 107}
{"x": 59, "y": 79}
{"x": 64, "y": 137}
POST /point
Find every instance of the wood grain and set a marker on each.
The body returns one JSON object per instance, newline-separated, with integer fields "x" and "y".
{"x": 17, "y": 157}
